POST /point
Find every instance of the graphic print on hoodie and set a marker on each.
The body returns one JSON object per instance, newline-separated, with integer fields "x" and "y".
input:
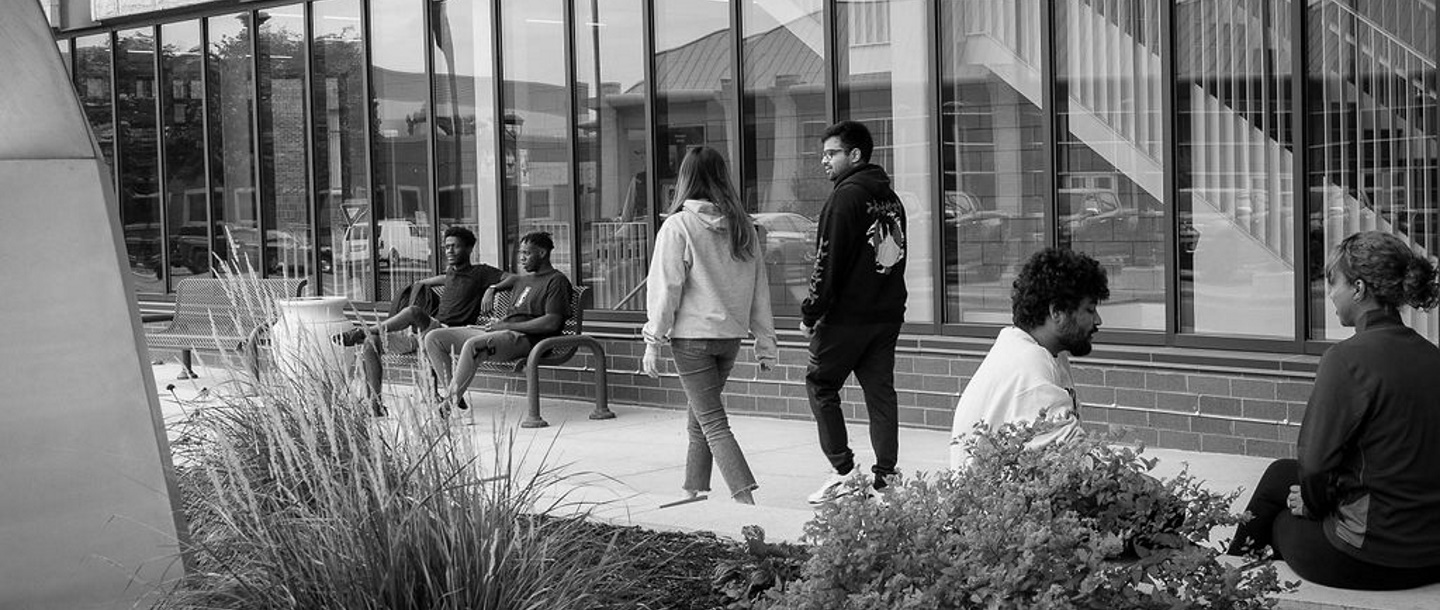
{"x": 886, "y": 235}
{"x": 859, "y": 272}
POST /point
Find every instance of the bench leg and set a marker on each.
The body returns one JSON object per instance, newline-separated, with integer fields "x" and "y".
{"x": 532, "y": 396}
{"x": 186, "y": 364}
{"x": 532, "y": 383}
{"x": 602, "y": 389}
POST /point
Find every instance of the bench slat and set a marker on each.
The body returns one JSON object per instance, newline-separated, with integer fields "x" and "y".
{"x": 219, "y": 312}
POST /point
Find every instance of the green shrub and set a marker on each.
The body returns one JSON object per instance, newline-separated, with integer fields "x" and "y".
{"x": 297, "y": 498}
{"x": 1078, "y": 525}
{"x": 763, "y": 566}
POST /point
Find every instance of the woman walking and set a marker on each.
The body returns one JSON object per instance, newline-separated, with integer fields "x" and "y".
{"x": 1360, "y": 508}
{"x": 707, "y": 290}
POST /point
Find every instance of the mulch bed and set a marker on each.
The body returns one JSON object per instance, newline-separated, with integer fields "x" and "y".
{"x": 667, "y": 570}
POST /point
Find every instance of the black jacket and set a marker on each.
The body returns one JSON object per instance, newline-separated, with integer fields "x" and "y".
{"x": 1369, "y": 447}
{"x": 859, "y": 274}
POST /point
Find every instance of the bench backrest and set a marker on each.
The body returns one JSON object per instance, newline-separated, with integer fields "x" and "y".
{"x": 228, "y": 307}
{"x": 574, "y": 322}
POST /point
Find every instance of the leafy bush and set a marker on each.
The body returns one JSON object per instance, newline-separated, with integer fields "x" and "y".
{"x": 1076, "y": 525}
{"x": 762, "y": 567}
{"x": 296, "y": 498}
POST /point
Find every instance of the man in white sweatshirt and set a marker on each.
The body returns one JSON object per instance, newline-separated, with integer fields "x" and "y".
{"x": 1026, "y": 375}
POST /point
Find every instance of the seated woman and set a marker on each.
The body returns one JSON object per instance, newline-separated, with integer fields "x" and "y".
{"x": 1360, "y": 509}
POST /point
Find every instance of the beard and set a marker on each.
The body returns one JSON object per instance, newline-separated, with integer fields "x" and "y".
{"x": 1074, "y": 339}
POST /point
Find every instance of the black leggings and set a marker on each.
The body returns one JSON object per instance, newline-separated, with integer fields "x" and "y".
{"x": 1302, "y": 543}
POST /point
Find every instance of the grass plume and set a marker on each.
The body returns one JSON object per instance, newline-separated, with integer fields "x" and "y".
{"x": 297, "y": 498}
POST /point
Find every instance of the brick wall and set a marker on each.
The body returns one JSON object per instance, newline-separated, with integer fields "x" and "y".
{"x": 1202, "y": 400}
{"x": 1248, "y": 403}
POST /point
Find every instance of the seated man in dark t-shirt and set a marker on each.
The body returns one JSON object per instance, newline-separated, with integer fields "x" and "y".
{"x": 460, "y": 305}
{"x": 539, "y": 309}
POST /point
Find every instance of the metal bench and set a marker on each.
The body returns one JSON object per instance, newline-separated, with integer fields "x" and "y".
{"x": 219, "y": 314}
{"x": 553, "y": 351}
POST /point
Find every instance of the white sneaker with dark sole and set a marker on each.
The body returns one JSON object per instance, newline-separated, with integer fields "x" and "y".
{"x": 834, "y": 486}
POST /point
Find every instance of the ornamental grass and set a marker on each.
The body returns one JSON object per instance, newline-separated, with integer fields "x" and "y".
{"x": 296, "y": 497}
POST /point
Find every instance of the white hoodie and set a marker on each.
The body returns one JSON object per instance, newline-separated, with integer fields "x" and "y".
{"x": 697, "y": 290}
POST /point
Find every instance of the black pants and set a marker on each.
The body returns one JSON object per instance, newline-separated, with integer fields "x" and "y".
{"x": 868, "y": 350}
{"x": 1302, "y": 543}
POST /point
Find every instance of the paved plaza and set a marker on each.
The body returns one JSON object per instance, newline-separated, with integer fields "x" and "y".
{"x": 632, "y": 465}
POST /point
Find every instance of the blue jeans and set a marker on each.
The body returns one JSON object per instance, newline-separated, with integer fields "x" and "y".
{"x": 704, "y": 365}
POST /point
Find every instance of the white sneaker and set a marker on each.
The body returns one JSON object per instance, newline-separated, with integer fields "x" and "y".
{"x": 881, "y": 496}
{"x": 834, "y": 487}
{"x": 878, "y": 496}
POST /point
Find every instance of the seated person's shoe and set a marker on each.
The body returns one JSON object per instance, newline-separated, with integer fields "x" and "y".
{"x": 377, "y": 408}
{"x": 349, "y": 338}
{"x": 443, "y": 407}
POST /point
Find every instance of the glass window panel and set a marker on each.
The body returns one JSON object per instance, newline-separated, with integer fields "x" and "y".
{"x": 1374, "y": 137}
{"x": 610, "y": 133}
{"x": 1235, "y": 168}
{"x": 139, "y": 157}
{"x": 65, "y": 57}
{"x": 884, "y": 81}
{"x": 232, "y": 148}
{"x": 342, "y": 188}
{"x": 538, "y": 191}
{"x": 465, "y": 122}
{"x": 182, "y": 112}
{"x": 284, "y": 200}
{"x": 1109, "y": 169}
{"x": 694, "y": 95}
{"x": 92, "y": 83}
{"x": 784, "y": 54}
{"x": 993, "y": 152}
{"x": 404, "y": 233}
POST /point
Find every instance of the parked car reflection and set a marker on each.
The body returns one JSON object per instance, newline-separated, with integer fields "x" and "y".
{"x": 974, "y": 238}
{"x": 285, "y": 251}
{"x": 1095, "y": 220}
{"x": 142, "y": 247}
{"x": 789, "y": 237}
{"x": 789, "y": 246}
{"x": 401, "y": 242}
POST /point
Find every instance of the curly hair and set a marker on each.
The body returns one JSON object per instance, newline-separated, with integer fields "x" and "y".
{"x": 1393, "y": 273}
{"x": 1055, "y": 277}
{"x": 466, "y": 236}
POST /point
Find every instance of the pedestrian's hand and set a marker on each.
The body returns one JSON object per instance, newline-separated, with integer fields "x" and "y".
{"x": 650, "y": 363}
{"x": 808, "y": 331}
{"x": 1296, "y": 502}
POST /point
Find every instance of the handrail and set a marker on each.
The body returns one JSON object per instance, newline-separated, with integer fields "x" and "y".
{"x": 1416, "y": 53}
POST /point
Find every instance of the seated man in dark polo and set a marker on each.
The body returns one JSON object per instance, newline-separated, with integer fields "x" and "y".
{"x": 465, "y": 284}
{"x": 540, "y": 306}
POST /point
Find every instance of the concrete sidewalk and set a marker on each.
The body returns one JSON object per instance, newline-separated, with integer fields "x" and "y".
{"x": 634, "y": 464}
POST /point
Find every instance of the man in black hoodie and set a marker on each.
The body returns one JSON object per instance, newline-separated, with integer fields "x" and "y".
{"x": 856, "y": 304}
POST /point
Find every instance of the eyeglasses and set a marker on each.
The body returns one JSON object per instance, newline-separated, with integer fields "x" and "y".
{"x": 830, "y": 152}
